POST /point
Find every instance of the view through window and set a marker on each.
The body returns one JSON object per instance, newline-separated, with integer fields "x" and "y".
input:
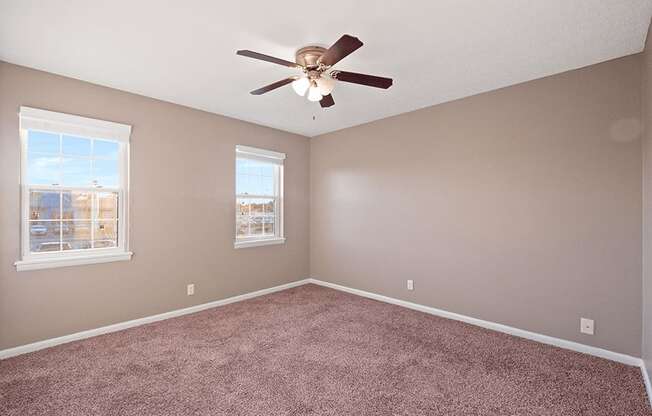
{"x": 258, "y": 194}
{"x": 74, "y": 192}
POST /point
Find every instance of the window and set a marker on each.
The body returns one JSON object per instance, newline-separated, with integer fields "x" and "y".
{"x": 74, "y": 176}
{"x": 259, "y": 197}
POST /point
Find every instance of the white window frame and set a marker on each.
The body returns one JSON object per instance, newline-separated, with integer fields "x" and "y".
{"x": 60, "y": 123}
{"x": 276, "y": 158}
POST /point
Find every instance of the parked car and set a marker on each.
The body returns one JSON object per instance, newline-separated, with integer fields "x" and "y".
{"x": 38, "y": 229}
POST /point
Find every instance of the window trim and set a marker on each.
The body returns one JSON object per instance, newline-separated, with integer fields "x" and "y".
{"x": 60, "y": 123}
{"x": 276, "y": 158}
{"x": 268, "y": 241}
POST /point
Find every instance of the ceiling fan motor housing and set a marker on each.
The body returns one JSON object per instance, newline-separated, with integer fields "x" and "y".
{"x": 308, "y": 56}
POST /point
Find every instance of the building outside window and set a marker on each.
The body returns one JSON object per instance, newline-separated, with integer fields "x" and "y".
{"x": 259, "y": 197}
{"x": 74, "y": 186}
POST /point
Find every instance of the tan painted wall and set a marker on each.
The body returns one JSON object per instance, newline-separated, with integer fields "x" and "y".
{"x": 520, "y": 206}
{"x": 181, "y": 211}
{"x": 647, "y": 206}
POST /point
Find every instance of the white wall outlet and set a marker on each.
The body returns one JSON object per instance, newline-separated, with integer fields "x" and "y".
{"x": 191, "y": 289}
{"x": 586, "y": 326}
{"x": 410, "y": 285}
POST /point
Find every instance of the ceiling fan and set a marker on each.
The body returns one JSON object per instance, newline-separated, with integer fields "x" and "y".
{"x": 317, "y": 77}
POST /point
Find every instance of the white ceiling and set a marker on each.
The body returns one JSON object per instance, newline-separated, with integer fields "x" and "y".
{"x": 436, "y": 50}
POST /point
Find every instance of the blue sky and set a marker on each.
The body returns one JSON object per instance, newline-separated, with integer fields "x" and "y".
{"x": 254, "y": 177}
{"x": 70, "y": 160}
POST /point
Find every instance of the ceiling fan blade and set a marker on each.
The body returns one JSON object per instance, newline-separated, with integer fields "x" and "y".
{"x": 263, "y": 57}
{"x": 327, "y": 101}
{"x": 340, "y": 50}
{"x": 273, "y": 86}
{"x": 363, "y": 79}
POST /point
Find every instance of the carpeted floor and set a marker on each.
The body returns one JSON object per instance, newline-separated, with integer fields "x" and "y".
{"x": 315, "y": 351}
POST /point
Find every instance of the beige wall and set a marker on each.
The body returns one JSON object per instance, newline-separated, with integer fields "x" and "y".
{"x": 647, "y": 207}
{"x": 181, "y": 213}
{"x": 520, "y": 206}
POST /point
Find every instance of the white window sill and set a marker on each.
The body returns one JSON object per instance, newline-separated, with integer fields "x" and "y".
{"x": 257, "y": 243}
{"x": 52, "y": 262}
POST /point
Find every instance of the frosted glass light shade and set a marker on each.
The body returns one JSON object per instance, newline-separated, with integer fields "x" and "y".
{"x": 325, "y": 84}
{"x": 300, "y": 86}
{"x": 314, "y": 94}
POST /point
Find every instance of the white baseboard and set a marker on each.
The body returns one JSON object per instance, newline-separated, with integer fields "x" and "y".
{"x": 23, "y": 349}
{"x": 545, "y": 339}
{"x": 595, "y": 351}
{"x": 570, "y": 345}
{"x": 646, "y": 380}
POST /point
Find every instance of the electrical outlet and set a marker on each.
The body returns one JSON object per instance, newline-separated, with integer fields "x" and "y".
{"x": 586, "y": 326}
{"x": 191, "y": 289}
{"x": 410, "y": 285}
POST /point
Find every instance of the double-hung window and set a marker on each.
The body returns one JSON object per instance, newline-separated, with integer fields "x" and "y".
{"x": 259, "y": 197}
{"x": 74, "y": 182}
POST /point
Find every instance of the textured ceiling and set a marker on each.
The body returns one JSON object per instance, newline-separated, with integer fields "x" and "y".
{"x": 436, "y": 50}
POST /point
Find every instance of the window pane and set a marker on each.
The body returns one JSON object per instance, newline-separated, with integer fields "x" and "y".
{"x": 254, "y": 177}
{"x": 241, "y": 177}
{"x": 77, "y": 146}
{"x": 76, "y": 171}
{"x": 268, "y": 179}
{"x": 104, "y": 149}
{"x": 242, "y": 217}
{"x": 104, "y": 244}
{"x": 43, "y": 169}
{"x": 255, "y": 217}
{"x": 44, "y": 205}
{"x": 106, "y": 234}
{"x": 242, "y": 184}
{"x": 105, "y": 172}
{"x": 77, "y": 205}
{"x": 63, "y": 227}
{"x": 44, "y": 236}
{"x": 242, "y": 225}
{"x": 256, "y": 226}
{"x": 41, "y": 142}
{"x": 242, "y": 206}
{"x": 257, "y": 207}
{"x": 80, "y": 214}
{"x": 262, "y": 208}
{"x": 107, "y": 205}
{"x": 269, "y": 217}
{"x": 76, "y": 235}
{"x": 267, "y": 185}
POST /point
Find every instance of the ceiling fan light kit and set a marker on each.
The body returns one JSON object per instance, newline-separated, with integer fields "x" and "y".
{"x": 317, "y": 78}
{"x": 301, "y": 85}
{"x": 326, "y": 84}
{"x": 314, "y": 94}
